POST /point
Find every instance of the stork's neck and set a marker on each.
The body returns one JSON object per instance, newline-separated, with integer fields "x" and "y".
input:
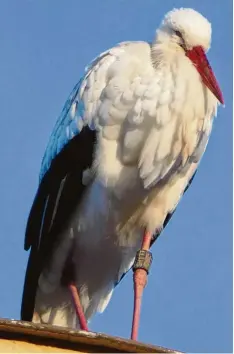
{"x": 165, "y": 49}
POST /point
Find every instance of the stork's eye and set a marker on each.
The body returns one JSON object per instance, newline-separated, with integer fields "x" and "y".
{"x": 182, "y": 42}
{"x": 178, "y": 33}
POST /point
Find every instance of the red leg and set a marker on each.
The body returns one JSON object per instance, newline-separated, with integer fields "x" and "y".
{"x": 140, "y": 268}
{"x": 78, "y": 307}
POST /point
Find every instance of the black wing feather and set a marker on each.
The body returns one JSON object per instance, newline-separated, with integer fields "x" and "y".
{"x": 58, "y": 194}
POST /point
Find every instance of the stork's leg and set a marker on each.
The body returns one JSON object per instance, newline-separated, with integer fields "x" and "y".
{"x": 78, "y": 307}
{"x": 140, "y": 268}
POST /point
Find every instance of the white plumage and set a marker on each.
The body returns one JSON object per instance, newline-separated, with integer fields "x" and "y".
{"x": 153, "y": 116}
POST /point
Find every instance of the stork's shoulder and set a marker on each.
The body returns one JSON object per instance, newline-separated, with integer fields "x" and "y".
{"x": 116, "y": 76}
{"x": 125, "y": 50}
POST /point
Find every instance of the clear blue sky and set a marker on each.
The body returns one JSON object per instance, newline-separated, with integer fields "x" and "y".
{"x": 44, "y": 46}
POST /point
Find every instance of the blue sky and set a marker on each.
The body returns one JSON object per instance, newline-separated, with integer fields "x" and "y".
{"x": 44, "y": 47}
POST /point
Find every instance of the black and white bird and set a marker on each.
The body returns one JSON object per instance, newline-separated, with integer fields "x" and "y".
{"x": 123, "y": 151}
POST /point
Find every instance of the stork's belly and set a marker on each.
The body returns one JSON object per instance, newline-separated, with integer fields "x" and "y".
{"x": 101, "y": 254}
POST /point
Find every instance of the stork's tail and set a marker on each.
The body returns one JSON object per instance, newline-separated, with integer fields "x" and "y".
{"x": 57, "y": 308}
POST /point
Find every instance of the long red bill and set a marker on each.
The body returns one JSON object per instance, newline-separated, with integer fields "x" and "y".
{"x": 198, "y": 57}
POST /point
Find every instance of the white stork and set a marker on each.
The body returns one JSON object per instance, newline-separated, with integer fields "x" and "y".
{"x": 121, "y": 155}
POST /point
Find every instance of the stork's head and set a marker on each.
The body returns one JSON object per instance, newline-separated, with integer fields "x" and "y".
{"x": 187, "y": 31}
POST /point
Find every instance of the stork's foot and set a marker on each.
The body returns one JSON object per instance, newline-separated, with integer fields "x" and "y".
{"x": 140, "y": 268}
{"x": 78, "y": 307}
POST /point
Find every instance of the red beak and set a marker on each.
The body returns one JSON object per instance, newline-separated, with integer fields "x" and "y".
{"x": 198, "y": 57}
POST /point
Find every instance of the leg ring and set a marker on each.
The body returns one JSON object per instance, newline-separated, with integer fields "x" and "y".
{"x": 143, "y": 260}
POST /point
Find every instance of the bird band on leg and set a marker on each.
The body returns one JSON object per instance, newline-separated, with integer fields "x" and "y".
{"x": 143, "y": 260}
